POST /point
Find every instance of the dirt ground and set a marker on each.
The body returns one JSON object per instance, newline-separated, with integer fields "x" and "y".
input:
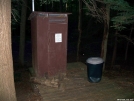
{"x": 24, "y": 91}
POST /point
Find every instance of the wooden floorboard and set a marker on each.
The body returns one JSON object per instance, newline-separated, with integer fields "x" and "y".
{"x": 77, "y": 88}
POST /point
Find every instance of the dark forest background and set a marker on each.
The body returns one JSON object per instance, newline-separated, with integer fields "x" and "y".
{"x": 85, "y": 30}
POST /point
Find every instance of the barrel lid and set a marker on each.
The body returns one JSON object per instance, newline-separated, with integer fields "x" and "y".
{"x": 95, "y": 60}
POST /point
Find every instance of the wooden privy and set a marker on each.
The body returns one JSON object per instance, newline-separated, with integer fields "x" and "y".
{"x": 49, "y": 42}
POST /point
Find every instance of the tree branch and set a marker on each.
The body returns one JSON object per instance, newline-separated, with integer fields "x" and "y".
{"x": 99, "y": 13}
{"x": 128, "y": 39}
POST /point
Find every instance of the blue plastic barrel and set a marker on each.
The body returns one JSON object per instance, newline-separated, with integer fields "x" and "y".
{"x": 94, "y": 69}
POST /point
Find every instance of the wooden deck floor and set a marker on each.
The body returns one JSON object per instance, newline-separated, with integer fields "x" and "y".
{"x": 77, "y": 88}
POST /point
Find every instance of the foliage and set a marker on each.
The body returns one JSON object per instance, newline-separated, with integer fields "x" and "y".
{"x": 124, "y": 13}
{"x": 94, "y": 10}
{"x": 50, "y": 1}
{"x": 15, "y": 13}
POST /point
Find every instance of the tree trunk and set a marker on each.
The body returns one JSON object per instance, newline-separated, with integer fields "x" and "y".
{"x": 52, "y": 5}
{"x": 114, "y": 51}
{"x": 46, "y": 5}
{"x": 105, "y": 35}
{"x": 61, "y": 5}
{"x": 128, "y": 42}
{"x": 66, "y": 6}
{"x": 79, "y": 29}
{"x": 22, "y": 32}
{"x": 7, "y": 89}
